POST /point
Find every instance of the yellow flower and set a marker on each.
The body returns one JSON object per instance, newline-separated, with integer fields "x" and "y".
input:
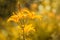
{"x": 20, "y": 15}
{"x": 28, "y": 28}
{"x": 31, "y": 15}
{"x": 24, "y": 13}
{"x": 14, "y": 18}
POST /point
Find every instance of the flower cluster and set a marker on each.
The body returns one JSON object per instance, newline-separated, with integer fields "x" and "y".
{"x": 24, "y": 14}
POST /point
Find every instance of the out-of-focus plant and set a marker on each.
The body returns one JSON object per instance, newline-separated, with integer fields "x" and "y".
{"x": 25, "y": 19}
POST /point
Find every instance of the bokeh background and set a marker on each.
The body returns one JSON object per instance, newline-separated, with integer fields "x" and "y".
{"x": 29, "y": 19}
